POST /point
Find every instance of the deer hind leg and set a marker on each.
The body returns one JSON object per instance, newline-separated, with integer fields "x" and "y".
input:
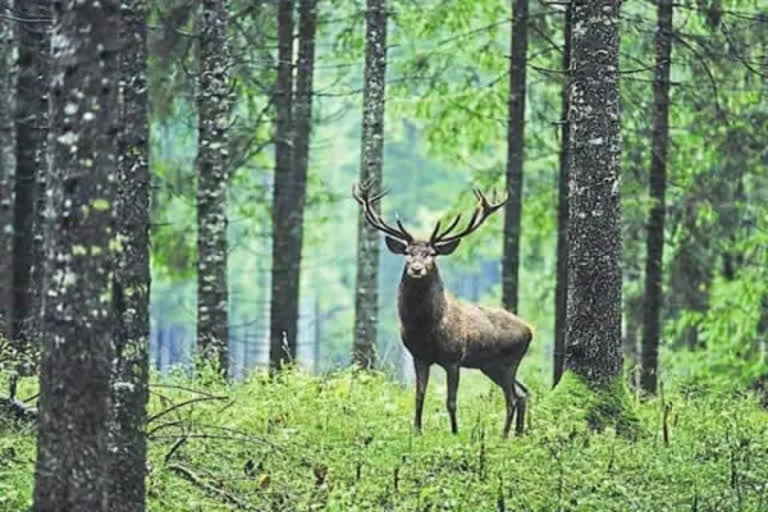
{"x": 422, "y": 378}
{"x": 499, "y": 376}
{"x": 522, "y": 399}
{"x": 515, "y": 396}
{"x": 452, "y": 378}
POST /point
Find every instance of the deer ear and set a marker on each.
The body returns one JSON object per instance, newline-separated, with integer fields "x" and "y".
{"x": 446, "y": 248}
{"x": 394, "y": 245}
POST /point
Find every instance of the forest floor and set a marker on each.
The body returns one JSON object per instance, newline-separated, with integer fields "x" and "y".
{"x": 344, "y": 442}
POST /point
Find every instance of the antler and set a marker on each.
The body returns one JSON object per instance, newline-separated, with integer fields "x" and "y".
{"x": 362, "y": 194}
{"x": 483, "y": 210}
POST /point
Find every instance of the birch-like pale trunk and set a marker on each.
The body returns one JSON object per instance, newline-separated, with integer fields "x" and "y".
{"x": 214, "y": 102}
{"x": 371, "y": 156}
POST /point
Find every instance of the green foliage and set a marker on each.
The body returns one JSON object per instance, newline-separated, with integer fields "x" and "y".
{"x": 445, "y": 132}
{"x": 344, "y": 442}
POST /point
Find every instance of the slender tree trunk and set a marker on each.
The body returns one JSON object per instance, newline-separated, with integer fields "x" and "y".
{"x": 72, "y": 457}
{"x": 593, "y": 351}
{"x": 32, "y": 132}
{"x": 293, "y": 184}
{"x": 214, "y": 103}
{"x": 515, "y": 150}
{"x": 371, "y": 155}
{"x": 128, "y": 453}
{"x": 42, "y": 158}
{"x": 561, "y": 281}
{"x": 284, "y": 307}
{"x": 658, "y": 185}
{"x": 8, "y": 74}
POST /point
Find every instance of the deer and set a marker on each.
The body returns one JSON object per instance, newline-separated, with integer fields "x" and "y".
{"x": 436, "y": 327}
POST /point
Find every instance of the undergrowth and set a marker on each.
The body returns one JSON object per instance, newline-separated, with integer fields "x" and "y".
{"x": 344, "y": 443}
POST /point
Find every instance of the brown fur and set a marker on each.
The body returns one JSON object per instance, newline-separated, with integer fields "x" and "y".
{"x": 437, "y": 328}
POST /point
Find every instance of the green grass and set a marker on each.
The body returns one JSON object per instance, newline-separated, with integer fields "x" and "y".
{"x": 344, "y": 443}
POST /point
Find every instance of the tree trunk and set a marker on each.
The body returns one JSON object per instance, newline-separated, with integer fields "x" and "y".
{"x": 32, "y": 132}
{"x": 561, "y": 281}
{"x": 658, "y": 185}
{"x": 72, "y": 457}
{"x": 284, "y": 306}
{"x": 515, "y": 148}
{"x": 214, "y": 103}
{"x": 593, "y": 351}
{"x": 371, "y": 155}
{"x": 8, "y": 74}
{"x": 128, "y": 453}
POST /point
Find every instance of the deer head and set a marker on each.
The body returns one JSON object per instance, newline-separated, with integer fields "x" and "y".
{"x": 420, "y": 254}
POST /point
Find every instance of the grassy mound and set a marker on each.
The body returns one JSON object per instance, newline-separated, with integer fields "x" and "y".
{"x": 576, "y": 405}
{"x": 345, "y": 443}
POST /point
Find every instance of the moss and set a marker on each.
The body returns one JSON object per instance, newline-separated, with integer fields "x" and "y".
{"x": 578, "y": 404}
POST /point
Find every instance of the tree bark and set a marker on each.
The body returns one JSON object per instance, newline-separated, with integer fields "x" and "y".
{"x": 292, "y": 229}
{"x": 131, "y": 286}
{"x": 561, "y": 280}
{"x": 515, "y": 154}
{"x": 593, "y": 350}
{"x": 214, "y": 103}
{"x": 72, "y": 458}
{"x": 32, "y": 133}
{"x": 371, "y": 156}
{"x": 658, "y": 185}
{"x": 8, "y": 75}
{"x": 284, "y": 306}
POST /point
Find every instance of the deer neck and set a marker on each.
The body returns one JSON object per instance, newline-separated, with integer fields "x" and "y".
{"x": 421, "y": 302}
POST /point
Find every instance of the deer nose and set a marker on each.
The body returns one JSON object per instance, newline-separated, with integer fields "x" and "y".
{"x": 417, "y": 270}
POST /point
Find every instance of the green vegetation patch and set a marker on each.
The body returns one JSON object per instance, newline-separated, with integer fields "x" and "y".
{"x": 575, "y": 403}
{"x": 344, "y": 442}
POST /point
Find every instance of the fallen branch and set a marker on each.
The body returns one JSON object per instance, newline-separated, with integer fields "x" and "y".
{"x": 18, "y": 409}
{"x": 173, "y": 449}
{"x": 192, "y": 478}
{"x": 182, "y": 388}
{"x": 184, "y": 403}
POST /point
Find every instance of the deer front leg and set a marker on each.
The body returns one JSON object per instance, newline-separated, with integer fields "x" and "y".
{"x": 422, "y": 378}
{"x": 452, "y": 378}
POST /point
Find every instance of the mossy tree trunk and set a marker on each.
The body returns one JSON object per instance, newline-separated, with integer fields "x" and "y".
{"x": 128, "y": 446}
{"x": 214, "y": 102}
{"x": 8, "y": 73}
{"x": 72, "y": 461}
{"x": 658, "y": 185}
{"x": 284, "y": 302}
{"x": 561, "y": 279}
{"x": 593, "y": 349}
{"x": 31, "y": 141}
{"x": 371, "y": 156}
{"x": 515, "y": 149}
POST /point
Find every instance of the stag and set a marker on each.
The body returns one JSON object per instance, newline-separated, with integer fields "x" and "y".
{"x": 437, "y": 328}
